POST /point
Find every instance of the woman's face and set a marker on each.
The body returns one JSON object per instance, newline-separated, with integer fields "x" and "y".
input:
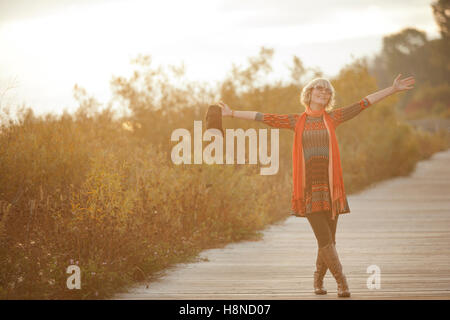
{"x": 320, "y": 95}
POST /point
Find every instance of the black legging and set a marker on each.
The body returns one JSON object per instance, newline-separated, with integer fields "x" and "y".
{"x": 324, "y": 228}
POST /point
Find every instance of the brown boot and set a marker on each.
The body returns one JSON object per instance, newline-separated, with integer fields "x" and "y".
{"x": 321, "y": 270}
{"x": 330, "y": 256}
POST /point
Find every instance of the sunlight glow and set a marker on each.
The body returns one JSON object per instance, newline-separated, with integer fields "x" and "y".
{"x": 87, "y": 45}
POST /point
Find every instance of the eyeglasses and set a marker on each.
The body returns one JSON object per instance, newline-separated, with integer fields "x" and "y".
{"x": 322, "y": 89}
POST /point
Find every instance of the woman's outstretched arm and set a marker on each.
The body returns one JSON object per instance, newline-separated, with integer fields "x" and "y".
{"x": 286, "y": 121}
{"x": 344, "y": 114}
{"x": 227, "y": 112}
{"x": 397, "y": 86}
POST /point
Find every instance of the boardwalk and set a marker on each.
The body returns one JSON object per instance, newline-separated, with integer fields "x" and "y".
{"x": 401, "y": 225}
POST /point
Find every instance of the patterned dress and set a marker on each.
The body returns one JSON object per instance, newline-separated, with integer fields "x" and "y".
{"x": 315, "y": 150}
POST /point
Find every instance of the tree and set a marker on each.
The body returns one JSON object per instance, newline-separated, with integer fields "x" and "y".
{"x": 441, "y": 12}
{"x": 404, "y": 50}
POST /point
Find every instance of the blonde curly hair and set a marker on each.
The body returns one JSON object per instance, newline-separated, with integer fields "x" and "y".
{"x": 305, "y": 96}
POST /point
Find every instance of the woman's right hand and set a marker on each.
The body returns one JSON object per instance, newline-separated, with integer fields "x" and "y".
{"x": 226, "y": 111}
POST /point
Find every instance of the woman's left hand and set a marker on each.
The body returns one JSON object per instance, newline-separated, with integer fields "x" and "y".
{"x": 403, "y": 84}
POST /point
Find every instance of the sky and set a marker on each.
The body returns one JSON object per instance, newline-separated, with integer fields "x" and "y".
{"x": 48, "y": 46}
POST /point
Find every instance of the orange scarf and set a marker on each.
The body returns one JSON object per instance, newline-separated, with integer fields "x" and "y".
{"x": 336, "y": 181}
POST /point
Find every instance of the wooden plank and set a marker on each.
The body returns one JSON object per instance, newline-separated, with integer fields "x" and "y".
{"x": 401, "y": 225}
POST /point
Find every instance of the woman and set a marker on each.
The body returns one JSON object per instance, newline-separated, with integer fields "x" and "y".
{"x": 318, "y": 188}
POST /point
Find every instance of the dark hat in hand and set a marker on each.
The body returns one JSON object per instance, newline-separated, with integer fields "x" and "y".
{"x": 214, "y": 118}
